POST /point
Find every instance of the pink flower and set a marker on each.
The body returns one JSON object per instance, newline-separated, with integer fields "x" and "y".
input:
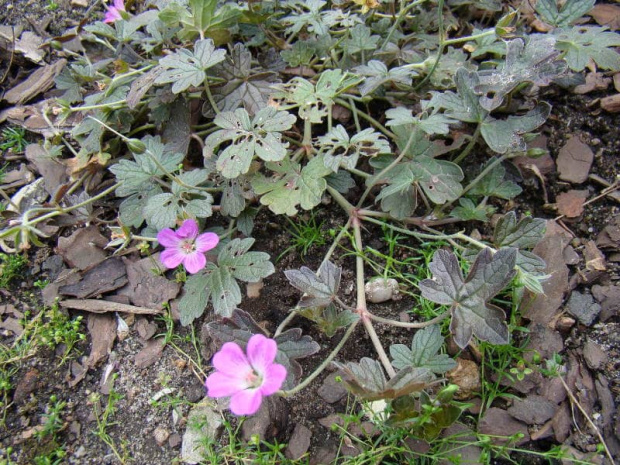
{"x": 246, "y": 379}
{"x": 114, "y": 12}
{"x": 186, "y": 246}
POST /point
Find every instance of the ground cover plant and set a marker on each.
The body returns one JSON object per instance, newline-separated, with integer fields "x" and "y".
{"x": 187, "y": 126}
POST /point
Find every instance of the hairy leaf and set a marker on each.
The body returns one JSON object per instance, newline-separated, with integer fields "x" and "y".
{"x": 292, "y": 345}
{"x": 329, "y": 319}
{"x": 195, "y": 299}
{"x": 494, "y": 184}
{"x": 424, "y": 352}
{"x": 367, "y": 381}
{"x": 468, "y": 210}
{"x": 537, "y": 61}
{"x": 185, "y": 68}
{"x": 472, "y": 315}
{"x": 260, "y": 136}
{"x": 319, "y": 289}
{"x": 376, "y": 74}
{"x": 524, "y": 234}
{"x": 361, "y": 39}
{"x": 570, "y": 11}
{"x": 247, "y": 266}
{"x": 430, "y": 124}
{"x": 505, "y": 135}
{"x": 463, "y": 105}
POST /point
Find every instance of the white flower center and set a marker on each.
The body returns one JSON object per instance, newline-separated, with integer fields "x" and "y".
{"x": 187, "y": 246}
{"x": 253, "y": 380}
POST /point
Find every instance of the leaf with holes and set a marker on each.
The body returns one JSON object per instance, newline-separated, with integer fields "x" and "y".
{"x": 185, "y": 68}
{"x": 292, "y": 345}
{"x": 297, "y": 186}
{"x": 320, "y": 289}
{"x": 424, "y": 352}
{"x": 463, "y": 105}
{"x": 259, "y": 136}
{"x": 538, "y": 62}
{"x": 340, "y": 150}
{"x": 368, "y": 382}
{"x": 472, "y": 315}
{"x": 585, "y": 43}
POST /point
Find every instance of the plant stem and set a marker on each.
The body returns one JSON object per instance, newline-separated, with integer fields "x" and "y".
{"x": 210, "y": 97}
{"x": 362, "y": 308}
{"x": 323, "y": 365}
{"x": 442, "y": 45}
{"x": 459, "y": 40}
{"x": 469, "y": 147}
{"x": 402, "y": 324}
{"x": 368, "y": 118}
{"x": 399, "y": 19}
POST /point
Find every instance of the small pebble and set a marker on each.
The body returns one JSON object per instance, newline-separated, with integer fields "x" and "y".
{"x": 161, "y": 435}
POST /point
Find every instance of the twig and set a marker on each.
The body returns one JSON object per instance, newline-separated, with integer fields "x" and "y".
{"x": 104, "y": 306}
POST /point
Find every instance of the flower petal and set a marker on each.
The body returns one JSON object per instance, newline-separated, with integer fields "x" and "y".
{"x": 119, "y": 5}
{"x": 171, "y": 258}
{"x": 261, "y": 352}
{"x": 189, "y": 229}
{"x": 220, "y": 385}
{"x": 206, "y": 241}
{"x": 166, "y": 237}
{"x": 246, "y": 402}
{"x": 273, "y": 379}
{"x": 231, "y": 361}
{"x": 194, "y": 262}
{"x": 111, "y": 15}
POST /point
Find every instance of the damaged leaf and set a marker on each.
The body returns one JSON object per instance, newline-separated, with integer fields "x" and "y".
{"x": 424, "y": 352}
{"x": 319, "y": 289}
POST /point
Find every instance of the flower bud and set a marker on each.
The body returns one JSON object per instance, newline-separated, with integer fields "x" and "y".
{"x": 136, "y": 146}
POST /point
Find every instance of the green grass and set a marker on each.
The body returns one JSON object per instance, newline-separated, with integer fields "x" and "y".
{"x": 13, "y": 139}
{"x": 11, "y": 267}
{"x": 305, "y": 234}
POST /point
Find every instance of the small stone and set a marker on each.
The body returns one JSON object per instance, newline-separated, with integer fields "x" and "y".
{"x": 80, "y": 3}
{"x": 380, "y": 290}
{"x": 497, "y": 422}
{"x": 299, "y": 443}
{"x": 594, "y": 355}
{"x": 174, "y": 440}
{"x": 564, "y": 324}
{"x": 161, "y": 435}
{"x": 26, "y": 386}
{"x": 583, "y": 307}
{"x": 533, "y": 410}
{"x": 332, "y": 391}
{"x": 195, "y": 392}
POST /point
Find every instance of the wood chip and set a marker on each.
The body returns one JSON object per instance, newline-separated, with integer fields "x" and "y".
{"x": 37, "y": 83}
{"x": 606, "y": 15}
{"x": 570, "y": 204}
{"x": 594, "y": 81}
{"x": 104, "y": 306}
{"x": 574, "y": 161}
{"x": 611, "y": 104}
{"x": 595, "y": 260}
{"x": 102, "y": 330}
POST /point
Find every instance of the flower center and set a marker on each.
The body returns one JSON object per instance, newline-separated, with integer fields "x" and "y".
{"x": 187, "y": 246}
{"x": 253, "y": 379}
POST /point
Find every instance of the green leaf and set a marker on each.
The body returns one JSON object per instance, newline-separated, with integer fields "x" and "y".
{"x": 233, "y": 201}
{"x": 136, "y": 176}
{"x": 440, "y": 179}
{"x": 250, "y": 267}
{"x": 468, "y": 298}
{"x": 504, "y": 136}
{"x": 292, "y": 345}
{"x": 67, "y": 82}
{"x": 367, "y": 381}
{"x": 463, "y": 105}
{"x": 400, "y": 204}
{"x": 131, "y": 209}
{"x": 431, "y": 124}
{"x": 468, "y": 210}
{"x": 361, "y": 39}
{"x": 570, "y": 11}
{"x": 340, "y": 150}
{"x": 195, "y": 299}
{"x": 261, "y": 136}
{"x": 585, "y": 43}
{"x": 537, "y": 61}
{"x": 424, "y": 352}
{"x": 202, "y": 13}
{"x": 494, "y": 184}
{"x": 185, "y": 68}
{"x": 376, "y": 74}
{"x": 319, "y": 289}
{"x": 328, "y": 319}
{"x": 297, "y": 187}
{"x": 312, "y": 20}
{"x": 300, "y": 54}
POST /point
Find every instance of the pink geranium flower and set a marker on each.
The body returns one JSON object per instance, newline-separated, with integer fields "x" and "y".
{"x": 114, "y": 12}
{"x": 246, "y": 379}
{"x": 185, "y": 246}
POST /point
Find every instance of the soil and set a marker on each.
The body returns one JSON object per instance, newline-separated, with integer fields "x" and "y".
{"x": 140, "y": 421}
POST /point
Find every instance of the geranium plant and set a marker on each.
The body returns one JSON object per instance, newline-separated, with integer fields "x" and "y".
{"x": 370, "y": 105}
